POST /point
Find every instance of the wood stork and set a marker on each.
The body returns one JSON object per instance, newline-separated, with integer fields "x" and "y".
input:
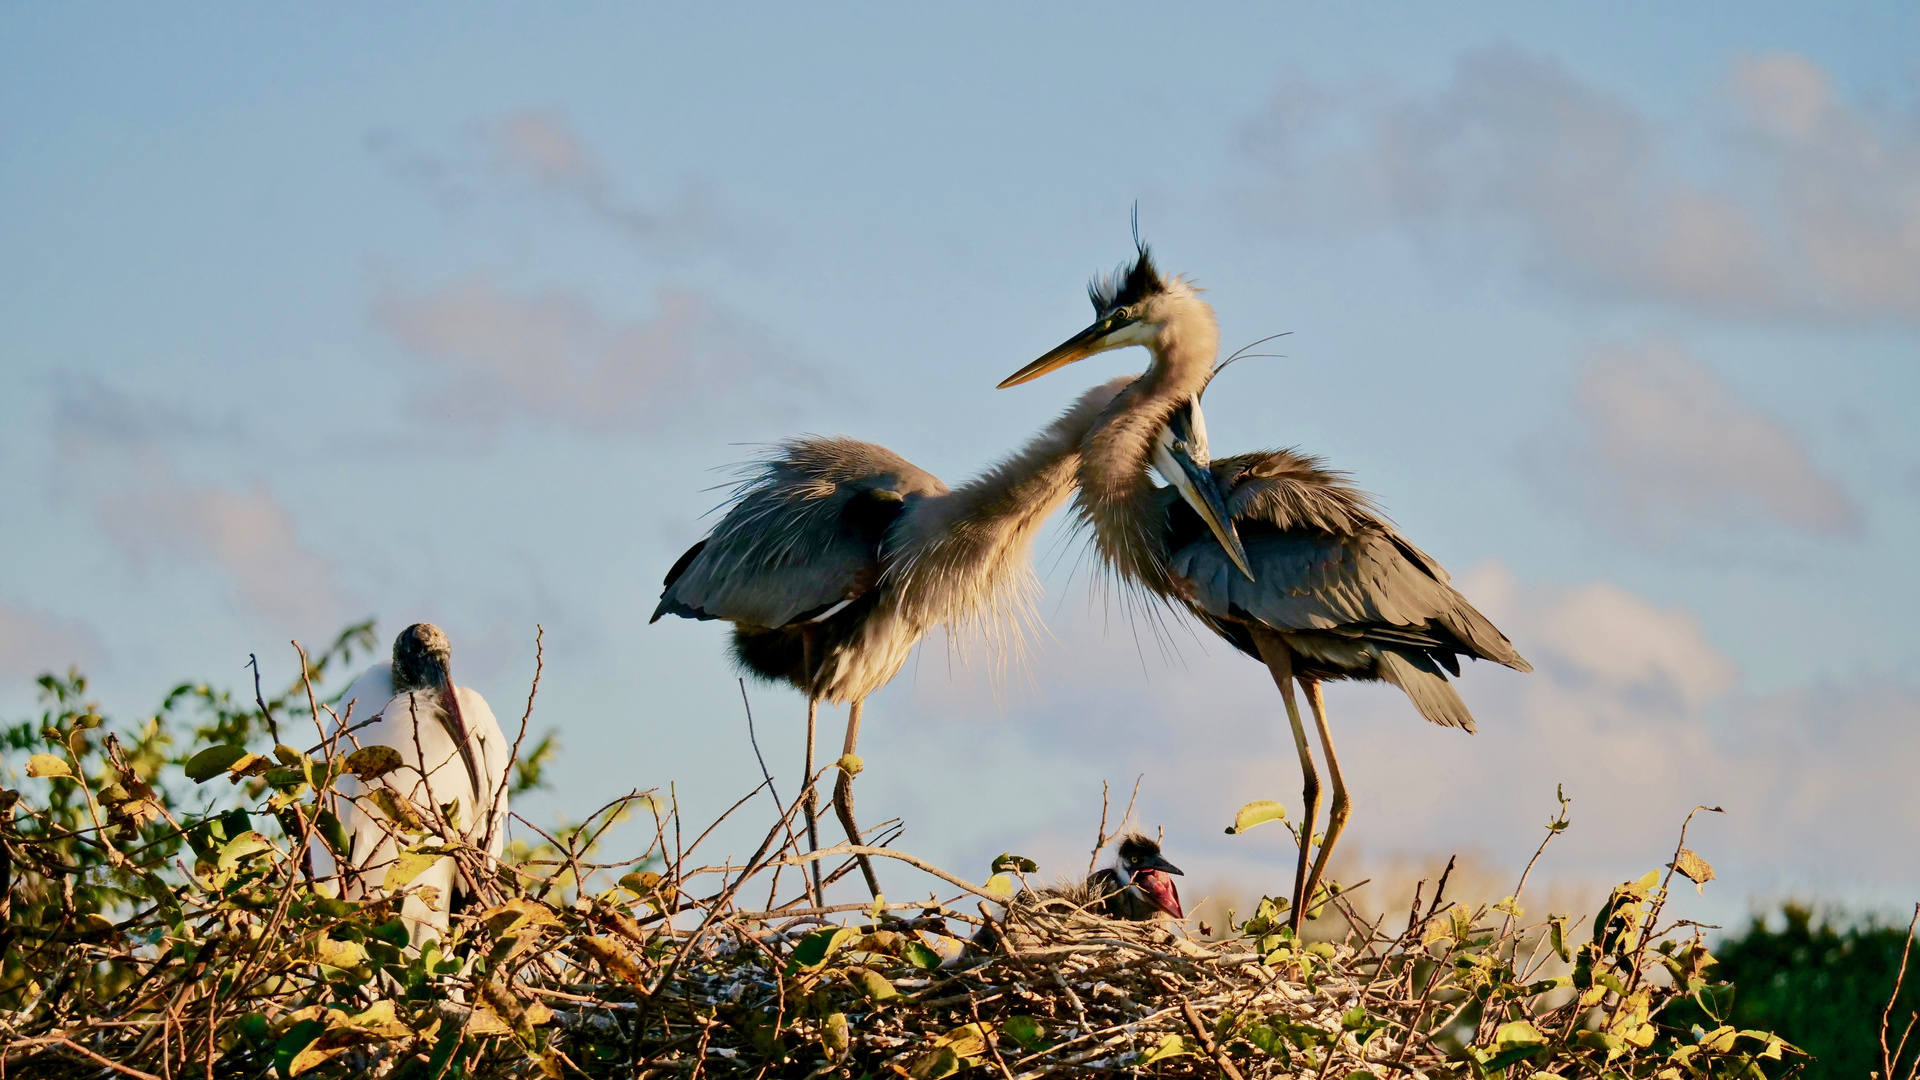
{"x": 453, "y": 769}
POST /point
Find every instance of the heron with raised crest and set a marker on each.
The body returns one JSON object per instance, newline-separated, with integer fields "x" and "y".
{"x": 1274, "y": 552}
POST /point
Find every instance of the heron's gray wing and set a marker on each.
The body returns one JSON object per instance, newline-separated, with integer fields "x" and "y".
{"x": 1324, "y": 560}
{"x": 802, "y": 536}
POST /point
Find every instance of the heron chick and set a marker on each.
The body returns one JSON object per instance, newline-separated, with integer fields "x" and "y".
{"x": 1136, "y": 886}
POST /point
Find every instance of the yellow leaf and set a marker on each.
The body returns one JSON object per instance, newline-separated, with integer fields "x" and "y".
{"x": 999, "y": 885}
{"x": 517, "y": 913}
{"x": 409, "y": 865}
{"x": 373, "y": 762}
{"x": 397, "y": 809}
{"x": 1170, "y": 1047}
{"x": 850, "y": 764}
{"x": 1510, "y": 906}
{"x": 379, "y": 1021}
{"x": 315, "y": 1054}
{"x": 873, "y": 984}
{"x": 614, "y": 958}
{"x": 46, "y": 765}
{"x": 1694, "y": 869}
{"x": 1462, "y": 920}
{"x": 484, "y": 1021}
{"x": 1256, "y": 813}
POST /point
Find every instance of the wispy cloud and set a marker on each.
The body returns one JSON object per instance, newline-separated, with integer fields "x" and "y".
{"x": 553, "y": 357}
{"x": 115, "y": 453}
{"x": 538, "y": 152}
{"x": 33, "y": 642}
{"x": 1661, "y": 446}
{"x": 1793, "y": 202}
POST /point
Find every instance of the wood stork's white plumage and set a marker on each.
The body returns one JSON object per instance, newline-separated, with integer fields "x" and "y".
{"x": 450, "y": 756}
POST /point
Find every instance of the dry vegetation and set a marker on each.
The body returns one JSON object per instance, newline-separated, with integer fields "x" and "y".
{"x": 144, "y": 939}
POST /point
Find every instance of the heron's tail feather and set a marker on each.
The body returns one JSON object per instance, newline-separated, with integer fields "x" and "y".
{"x": 1425, "y": 685}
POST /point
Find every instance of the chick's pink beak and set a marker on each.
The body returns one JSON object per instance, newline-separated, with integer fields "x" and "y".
{"x": 1158, "y": 887}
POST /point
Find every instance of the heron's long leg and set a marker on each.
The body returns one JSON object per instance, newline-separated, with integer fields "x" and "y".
{"x": 812, "y": 800}
{"x": 1341, "y": 807}
{"x": 808, "y": 797}
{"x": 843, "y": 796}
{"x": 1279, "y": 659}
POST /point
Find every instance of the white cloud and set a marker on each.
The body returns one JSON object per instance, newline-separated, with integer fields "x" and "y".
{"x": 1662, "y": 445}
{"x": 114, "y": 453}
{"x": 554, "y": 358}
{"x": 538, "y": 151}
{"x": 33, "y": 642}
{"x": 1800, "y": 204}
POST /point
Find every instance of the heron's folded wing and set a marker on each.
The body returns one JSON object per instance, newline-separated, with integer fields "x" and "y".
{"x": 1363, "y": 584}
{"x": 803, "y": 535}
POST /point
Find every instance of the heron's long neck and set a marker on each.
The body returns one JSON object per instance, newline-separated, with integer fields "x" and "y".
{"x": 1116, "y": 494}
{"x": 962, "y": 556}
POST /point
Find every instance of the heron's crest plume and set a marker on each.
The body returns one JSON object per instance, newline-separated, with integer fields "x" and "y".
{"x": 1128, "y": 284}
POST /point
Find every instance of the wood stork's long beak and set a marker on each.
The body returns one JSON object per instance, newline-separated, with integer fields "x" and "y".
{"x": 462, "y": 737}
{"x": 1195, "y": 483}
{"x": 1110, "y": 332}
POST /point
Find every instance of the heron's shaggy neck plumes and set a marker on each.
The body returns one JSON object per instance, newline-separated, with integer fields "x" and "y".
{"x": 961, "y": 559}
{"x": 1114, "y": 485}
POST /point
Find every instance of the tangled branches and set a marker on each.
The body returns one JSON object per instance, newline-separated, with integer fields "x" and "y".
{"x": 143, "y": 940}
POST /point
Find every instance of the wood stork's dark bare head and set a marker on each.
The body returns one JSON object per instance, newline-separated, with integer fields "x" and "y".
{"x": 1147, "y": 873}
{"x": 422, "y": 658}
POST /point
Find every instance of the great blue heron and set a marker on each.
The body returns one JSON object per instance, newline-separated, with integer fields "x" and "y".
{"x": 837, "y": 556}
{"x": 453, "y": 772}
{"x": 1277, "y": 554}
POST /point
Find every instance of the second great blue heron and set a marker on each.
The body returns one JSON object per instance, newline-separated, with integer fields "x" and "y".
{"x": 838, "y": 556}
{"x": 1280, "y": 556}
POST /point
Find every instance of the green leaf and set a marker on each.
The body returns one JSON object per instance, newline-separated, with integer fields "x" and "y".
{"x": 241, "y": 847}
{"x": 920, "y": 956}
{"x": 940, "y": 1062}
{"x": 212, "y": 762}
{"x": 1256, "y": 813}
{"x": 813, "y": 950}
{"x": 1009, "y": 863}
{"x": 46, "y": 765}
{"x": 1519, "y": 1033}
{"x": 873, "y": 984}
{"x": 1026, "y": 1031}
{"x": 294, "y": 1041}
{"x": 334, "y": 833}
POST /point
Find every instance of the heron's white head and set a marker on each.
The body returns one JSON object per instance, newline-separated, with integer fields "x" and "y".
{"x": 1134, "y": 305}
{"x": 422, "y": 657}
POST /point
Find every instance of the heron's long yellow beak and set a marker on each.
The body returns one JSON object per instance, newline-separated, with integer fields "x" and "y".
{"x": 1196, "y": 485}
{"x": 1101, "y": 336}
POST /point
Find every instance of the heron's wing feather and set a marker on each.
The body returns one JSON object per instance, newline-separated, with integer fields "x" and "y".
{"x": 803, "y": 534}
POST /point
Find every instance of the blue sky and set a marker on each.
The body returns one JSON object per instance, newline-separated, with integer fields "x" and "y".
{"x": 457, "y": 314}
